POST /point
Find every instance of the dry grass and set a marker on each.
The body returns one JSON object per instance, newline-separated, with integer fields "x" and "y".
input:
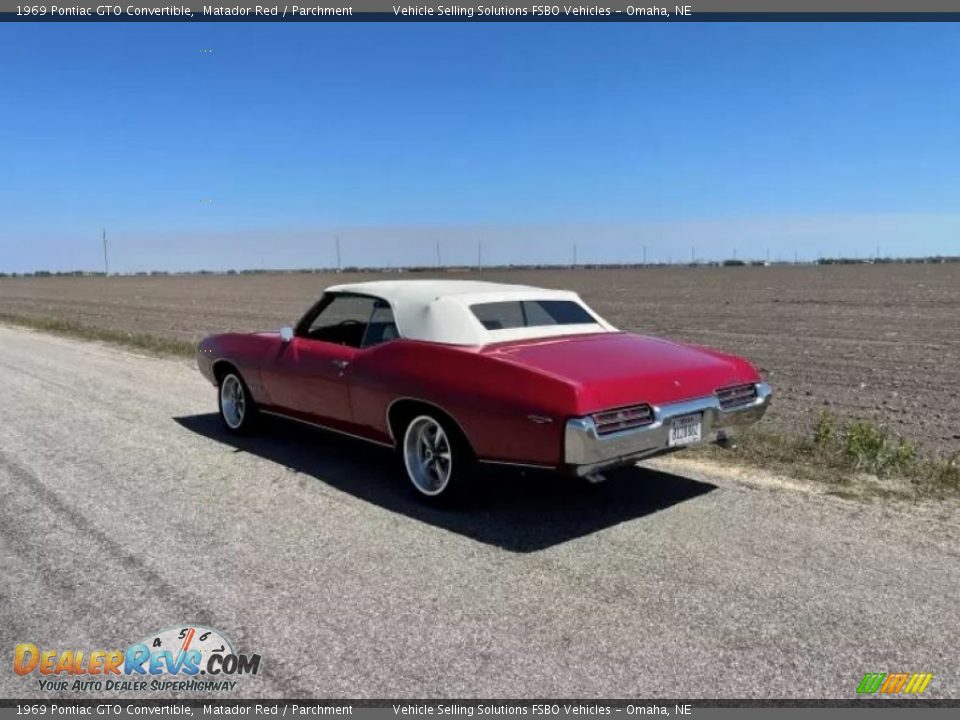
{"x": 854, "y": 458}
{"x": 137, "y": 341}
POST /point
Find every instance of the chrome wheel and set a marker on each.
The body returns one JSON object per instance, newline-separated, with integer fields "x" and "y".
{"x": 428, "y": 455}
{"x": 233, "y": 401}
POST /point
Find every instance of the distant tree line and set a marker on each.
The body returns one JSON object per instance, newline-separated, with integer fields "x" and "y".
{"x": 933, "y": 259}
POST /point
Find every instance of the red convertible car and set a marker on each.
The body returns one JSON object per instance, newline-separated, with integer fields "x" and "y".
{"x": 455, "y": 373}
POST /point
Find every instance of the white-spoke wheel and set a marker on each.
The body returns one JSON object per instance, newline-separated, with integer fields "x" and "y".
{"x": 233, "y": 401}
{"x": 428, "y": 455}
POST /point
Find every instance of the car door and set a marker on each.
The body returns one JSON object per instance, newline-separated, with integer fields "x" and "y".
{"x": 309, "y": 377}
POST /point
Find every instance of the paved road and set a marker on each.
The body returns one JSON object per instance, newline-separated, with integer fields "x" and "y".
{"x": 124, "y": 510}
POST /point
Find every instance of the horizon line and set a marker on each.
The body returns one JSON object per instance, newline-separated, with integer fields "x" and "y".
{"x": 730, "y": 262}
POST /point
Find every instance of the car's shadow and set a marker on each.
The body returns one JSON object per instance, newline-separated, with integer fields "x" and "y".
{"x": 515, "y": 511}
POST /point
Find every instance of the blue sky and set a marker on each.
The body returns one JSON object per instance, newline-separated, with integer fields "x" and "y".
{"x": 803, "y": 137}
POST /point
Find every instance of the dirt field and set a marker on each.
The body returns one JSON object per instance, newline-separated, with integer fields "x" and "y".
{"x": 879, "y": 342}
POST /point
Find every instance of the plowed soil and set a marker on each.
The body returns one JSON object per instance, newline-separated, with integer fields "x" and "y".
{"x": 880, "y": 342}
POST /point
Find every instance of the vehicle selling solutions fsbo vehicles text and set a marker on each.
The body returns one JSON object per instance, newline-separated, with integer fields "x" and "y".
{"x": 470, "y": 11}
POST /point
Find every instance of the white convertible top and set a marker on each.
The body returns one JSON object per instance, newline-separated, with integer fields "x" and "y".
{"x": 439, "y": 310}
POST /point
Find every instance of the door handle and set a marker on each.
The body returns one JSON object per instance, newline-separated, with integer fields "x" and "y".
{"x": 341, "y": 364}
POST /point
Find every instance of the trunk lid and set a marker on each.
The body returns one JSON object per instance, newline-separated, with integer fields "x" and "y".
{"x": 618, "y": 369}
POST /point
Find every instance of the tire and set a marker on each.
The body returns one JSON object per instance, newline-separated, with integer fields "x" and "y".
{"x": 238, "y": 412}
{"x": 438, "y": 460}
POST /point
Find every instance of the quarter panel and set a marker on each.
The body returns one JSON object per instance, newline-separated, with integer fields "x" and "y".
{"x": 492, "y": 401}
{"x": 245, "y": 351}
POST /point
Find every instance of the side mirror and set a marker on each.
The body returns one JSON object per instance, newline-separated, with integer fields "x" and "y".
{"x": 286, "y": 334}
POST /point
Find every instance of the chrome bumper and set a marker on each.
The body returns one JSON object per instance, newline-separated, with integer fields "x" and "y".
{"x": 585, "y": 451}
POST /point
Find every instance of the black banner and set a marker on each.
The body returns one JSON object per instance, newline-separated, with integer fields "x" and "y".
{"x": 396, "y": 11}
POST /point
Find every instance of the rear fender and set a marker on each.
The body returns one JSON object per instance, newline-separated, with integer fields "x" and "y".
{"x": 245, "y": 352}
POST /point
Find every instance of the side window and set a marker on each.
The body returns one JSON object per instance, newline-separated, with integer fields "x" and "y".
{"x": 343, "y": 320}
{"x": 381, "y": 327}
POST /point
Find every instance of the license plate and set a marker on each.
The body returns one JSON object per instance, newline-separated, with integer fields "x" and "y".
{"x": 684, "y": 430}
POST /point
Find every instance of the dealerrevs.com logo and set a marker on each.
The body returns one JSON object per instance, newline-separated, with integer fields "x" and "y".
{"x": 185, "y": 659}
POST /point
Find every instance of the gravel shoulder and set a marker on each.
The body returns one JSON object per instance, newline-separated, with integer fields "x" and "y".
{"x": 124, "y": 510}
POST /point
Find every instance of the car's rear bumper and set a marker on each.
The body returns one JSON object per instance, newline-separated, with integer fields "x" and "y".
{"x": 586, "y": 452}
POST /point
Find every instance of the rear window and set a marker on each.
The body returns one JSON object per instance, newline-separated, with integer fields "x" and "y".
{"x": 530, "y": 313}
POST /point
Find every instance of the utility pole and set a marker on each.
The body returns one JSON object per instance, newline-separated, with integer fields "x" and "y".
{"x": 796, "y": 257}
{"x": 106, "y": 263}
{"x": 574, "y": 254}
{"x": 644, "y": 255}
{"x": 693, "y": 256}
{"x": 480, "y": 254}
{"x": 339, "y": 267}
{"x": 439, "y": 264}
